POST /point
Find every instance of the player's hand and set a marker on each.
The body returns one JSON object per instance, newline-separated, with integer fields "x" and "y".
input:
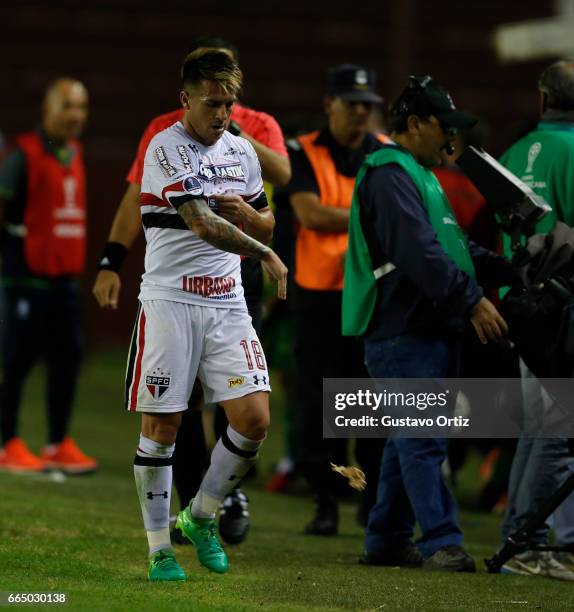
{"x": 233, "y": 208}
{"x": 277, "y": 270}
{"x": 488, "y": 322}
{"x": 106, "y": 289}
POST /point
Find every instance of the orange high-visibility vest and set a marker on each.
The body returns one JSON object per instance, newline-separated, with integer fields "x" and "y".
{"x": 318, "y": 255}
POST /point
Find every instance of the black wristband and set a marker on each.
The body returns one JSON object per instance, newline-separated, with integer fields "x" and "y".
{"x": 113, "y": 256}
{"x": 234, "y": 128}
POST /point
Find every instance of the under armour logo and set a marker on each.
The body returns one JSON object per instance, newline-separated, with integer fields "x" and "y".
{"x": 257, "y": 378}
{"x": 151, "y": 495}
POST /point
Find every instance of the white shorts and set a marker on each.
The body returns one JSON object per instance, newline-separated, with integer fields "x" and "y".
{"x": 173, "y": 343}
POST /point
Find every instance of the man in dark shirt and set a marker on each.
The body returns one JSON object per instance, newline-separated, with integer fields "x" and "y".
{"x": 425, "y": 294}
{"x": 324, "y": 166}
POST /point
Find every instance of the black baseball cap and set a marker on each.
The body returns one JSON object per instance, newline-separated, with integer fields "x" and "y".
{"x": 425, "y": 97}
{"x": 352, "y": 83}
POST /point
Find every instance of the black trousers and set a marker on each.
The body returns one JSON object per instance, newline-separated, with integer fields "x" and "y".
{"x": 41, "y": 323}
{"x": 321, "y": 351}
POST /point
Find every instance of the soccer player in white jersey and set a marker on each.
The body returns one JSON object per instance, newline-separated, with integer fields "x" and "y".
{"x": 192, "y": 321}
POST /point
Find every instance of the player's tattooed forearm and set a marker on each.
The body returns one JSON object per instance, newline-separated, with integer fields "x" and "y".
{"x": 217, "y": 231}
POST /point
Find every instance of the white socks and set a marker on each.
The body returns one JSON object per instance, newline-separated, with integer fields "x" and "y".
{"x": 152, "y": 472}
{"x": 231, "y": 459}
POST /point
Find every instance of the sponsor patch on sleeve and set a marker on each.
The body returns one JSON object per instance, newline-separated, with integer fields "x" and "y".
{"x": 235, "y": 381}
{"x": 164, "y": 163}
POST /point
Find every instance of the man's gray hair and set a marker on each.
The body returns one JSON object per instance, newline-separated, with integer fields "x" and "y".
{"x": 557, "y": 84}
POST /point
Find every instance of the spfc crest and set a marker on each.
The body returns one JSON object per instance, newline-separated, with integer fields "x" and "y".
{"x": 157, "y": 385}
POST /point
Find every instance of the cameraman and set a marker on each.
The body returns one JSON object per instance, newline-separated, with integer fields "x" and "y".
{"x": 412, "y": 317}
{"x": 544, "y": 160}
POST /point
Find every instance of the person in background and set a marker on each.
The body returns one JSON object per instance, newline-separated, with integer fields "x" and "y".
{"x": 325, "y": 164}
{"x": 544, "y": 160}
{"x": 478, "y": 360}
{"x": 410, "y": 289}
{"x": 43, "y": 206}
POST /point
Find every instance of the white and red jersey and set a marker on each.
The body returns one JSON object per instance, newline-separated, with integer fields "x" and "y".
{"x": 179, "y": 266}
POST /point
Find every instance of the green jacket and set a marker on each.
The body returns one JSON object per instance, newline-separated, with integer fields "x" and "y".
{"x": 544, "y": 160}
{"x": 360, "y": 284}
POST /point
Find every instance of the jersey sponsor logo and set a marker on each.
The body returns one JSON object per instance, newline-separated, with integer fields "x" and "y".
{"x": 219, "y": 287}
{"x": 157, "y": 383}
{"x": 212, "y": 172}
{"x": 236, "y": 381}
{"x": 163, "y": 161}
{"x": 193, "y": 186}
{"x": 232, "y": 151}
{"x": 533, "y": 153}
{"x": 184, "y": 157}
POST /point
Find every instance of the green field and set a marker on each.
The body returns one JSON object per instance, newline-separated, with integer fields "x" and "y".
{"x": 84, "y": 537}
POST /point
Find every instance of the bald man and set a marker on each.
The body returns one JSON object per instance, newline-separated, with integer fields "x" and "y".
{"x": 43, "y": 220}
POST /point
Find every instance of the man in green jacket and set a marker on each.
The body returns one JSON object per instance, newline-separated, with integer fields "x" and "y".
{"x": 410, "y": 289}
{"x": 544, "y": 160}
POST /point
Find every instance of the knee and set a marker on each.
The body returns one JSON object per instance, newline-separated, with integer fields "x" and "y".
{"x": 163, "y": 434}
{"x": 254, "y": 426}
{"x": 161, "y": 429}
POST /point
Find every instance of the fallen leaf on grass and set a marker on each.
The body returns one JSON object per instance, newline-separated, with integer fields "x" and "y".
{"x": 355, "y": 476}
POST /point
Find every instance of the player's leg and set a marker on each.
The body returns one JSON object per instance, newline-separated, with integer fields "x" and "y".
{"x": 232, "y": 457}
{"x": 153, "y": 477}
{"x": 234, "y": 518}
{"x": 235, "y": 452}
{"x": 233, "y": 373}
{"x": 161, "y": 368}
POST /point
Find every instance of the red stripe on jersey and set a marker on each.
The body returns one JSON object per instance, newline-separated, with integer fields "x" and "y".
{"x": 148, "y": 199}
{"x": 138, "y": 368}
{"x": 173, "y": 187}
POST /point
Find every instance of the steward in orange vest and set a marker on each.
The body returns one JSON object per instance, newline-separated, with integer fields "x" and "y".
{"x": 319, "y": 254}
{"x": 324, "y": 166}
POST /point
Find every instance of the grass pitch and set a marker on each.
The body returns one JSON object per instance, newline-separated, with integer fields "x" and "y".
{"x": 84, "y": 537}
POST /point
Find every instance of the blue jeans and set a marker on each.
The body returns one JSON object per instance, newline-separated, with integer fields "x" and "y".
{"x": 540, "y": 466}
{"x": 564, "y": 518}
{"x": 411, "y": 488}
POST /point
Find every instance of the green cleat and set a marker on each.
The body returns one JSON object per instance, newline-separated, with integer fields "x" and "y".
{"x": 202, "y": 533}
{"x": 163, "y": 566}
